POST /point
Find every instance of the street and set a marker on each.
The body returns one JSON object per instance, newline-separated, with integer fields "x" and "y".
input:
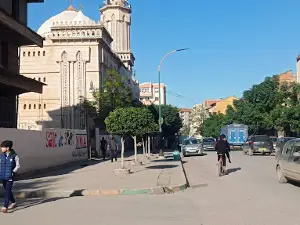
{"x": 249, "y": 195}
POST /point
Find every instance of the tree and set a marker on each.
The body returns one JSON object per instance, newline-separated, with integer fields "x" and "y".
{"x": 185, "y": 130}
{"x": 113, "y": 94}
{"x": 211, "y": 127}
{"x": 130, "y": 122}
{"x": 171, "y": 119}
{"x": 198, "y": 115}
{"x": 267, "y": 108}
{"x": 254, "y": 109}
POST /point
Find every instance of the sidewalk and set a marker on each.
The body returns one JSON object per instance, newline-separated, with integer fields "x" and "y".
{"x": 94, "y": 178}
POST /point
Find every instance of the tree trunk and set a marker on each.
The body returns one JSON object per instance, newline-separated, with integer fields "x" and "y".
{"x": 135, "y": 150}
{"x": 149, "y": 146}
{"x": 144, "y": 152}
{"x": 146, "y": 145}
{"x": 122, "y": 152}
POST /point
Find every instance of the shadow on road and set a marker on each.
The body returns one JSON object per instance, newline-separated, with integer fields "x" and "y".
{"x": 232, "y": 170}
{"x": 295, "y": 183}
{"x": 204, "y": 154}
{"x": 59, "y": 170}
{"x": 33, "y": 202}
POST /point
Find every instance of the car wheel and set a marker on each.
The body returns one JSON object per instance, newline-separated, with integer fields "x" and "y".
{"x": 280, "y": 176}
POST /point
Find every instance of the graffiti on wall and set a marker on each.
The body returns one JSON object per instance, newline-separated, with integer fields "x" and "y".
{"x": 81, "y": 146}
{"x": 56, "y": 139}
{"x": 81, "y": 141}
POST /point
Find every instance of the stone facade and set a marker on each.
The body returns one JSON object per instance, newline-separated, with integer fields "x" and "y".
{"x": 73, "y": 62}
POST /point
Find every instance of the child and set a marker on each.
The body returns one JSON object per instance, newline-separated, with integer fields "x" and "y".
{"x": 9, "y": 165}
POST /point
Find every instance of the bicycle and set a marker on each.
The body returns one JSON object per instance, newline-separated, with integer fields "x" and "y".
{"x": 221, "y": 171}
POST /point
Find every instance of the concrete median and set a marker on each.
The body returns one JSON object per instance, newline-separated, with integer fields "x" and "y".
{"x": 162, "y": 177}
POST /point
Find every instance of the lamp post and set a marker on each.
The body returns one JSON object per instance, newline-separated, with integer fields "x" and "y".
{"x": 160, "y": 119}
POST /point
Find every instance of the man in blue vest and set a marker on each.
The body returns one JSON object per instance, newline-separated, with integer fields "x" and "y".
{"x": 9, "y": 165}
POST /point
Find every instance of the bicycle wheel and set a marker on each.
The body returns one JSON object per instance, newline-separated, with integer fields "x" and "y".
{"x": 220, "y": 172}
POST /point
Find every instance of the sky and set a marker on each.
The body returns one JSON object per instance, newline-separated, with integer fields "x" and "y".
{"x": 234, "y": 44}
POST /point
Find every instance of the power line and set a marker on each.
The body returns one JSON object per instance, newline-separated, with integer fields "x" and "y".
{"x": 177, "y": 95}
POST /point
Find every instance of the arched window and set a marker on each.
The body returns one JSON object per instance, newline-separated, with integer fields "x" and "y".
{"x": 39, "y": 53}
{"x": 44, "y": 53}
{"x": 34, "y": 106}
{"x": 24, "y": 107}
{"x": 28, "y": 53}
{"x": 33, "y": 54}
{"x": 44, "y": 106}
{"x": 39, "y": 79}
{"x": 40, "y": 106}
{"x": 29, "y": 107}
{"x": 44, "y": 79}
{"x": 24, "y": 54}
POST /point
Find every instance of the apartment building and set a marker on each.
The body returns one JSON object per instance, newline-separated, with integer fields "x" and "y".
{"x": 149, "y": 93}
{"x": 13, "y": 34}
{"x": 185, "y": 115}
{"x": 287, "y": 77}
{"x": 220, "y": 105}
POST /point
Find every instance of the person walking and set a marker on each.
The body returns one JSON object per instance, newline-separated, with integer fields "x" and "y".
{"x": 9, "y": 165}
{"x": 103, "y": 146}
{"x": 112, "y": 148}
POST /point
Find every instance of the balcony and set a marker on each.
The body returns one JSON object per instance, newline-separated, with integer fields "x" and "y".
{"x": 18, "y": 84}
{"x": 17, "y": 33}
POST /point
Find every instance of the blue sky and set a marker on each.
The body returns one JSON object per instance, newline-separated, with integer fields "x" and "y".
{"x": 233, "y": 44}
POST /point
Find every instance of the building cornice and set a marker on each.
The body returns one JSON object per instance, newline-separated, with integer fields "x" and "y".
{"x": 19, "y": 33}
{"x": 104, "y": 8}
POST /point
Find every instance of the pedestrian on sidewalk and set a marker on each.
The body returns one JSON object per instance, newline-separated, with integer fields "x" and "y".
{"x": 9, "y": 165}
{"x": 112, "y": 148}
{"x": 103, "y": 146}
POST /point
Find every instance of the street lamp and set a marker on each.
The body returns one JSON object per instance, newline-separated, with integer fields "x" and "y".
{"x": 160, "y": 119}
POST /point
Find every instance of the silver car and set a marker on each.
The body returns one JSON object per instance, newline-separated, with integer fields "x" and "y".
{"x": 209, "y": 144}
{"x": 288, "y": 163}
{"x": 192, "y": 146}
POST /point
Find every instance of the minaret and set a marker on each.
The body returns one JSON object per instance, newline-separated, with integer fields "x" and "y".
{"x": 116, "y": 17}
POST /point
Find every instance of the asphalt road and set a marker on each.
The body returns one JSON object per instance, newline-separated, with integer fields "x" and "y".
{"x": 249, "y": 195}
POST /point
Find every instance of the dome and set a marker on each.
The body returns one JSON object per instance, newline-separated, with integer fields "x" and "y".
{"x": 67, "y": 16}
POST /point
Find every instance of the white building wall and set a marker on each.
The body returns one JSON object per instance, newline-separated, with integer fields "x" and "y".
{"x": 48, "y": 148}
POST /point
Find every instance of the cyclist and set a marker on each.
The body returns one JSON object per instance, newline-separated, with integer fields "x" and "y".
{"x": 222, "y": 147}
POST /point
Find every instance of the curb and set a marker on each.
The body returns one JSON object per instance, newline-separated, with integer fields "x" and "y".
{"x": 50, "y": 194}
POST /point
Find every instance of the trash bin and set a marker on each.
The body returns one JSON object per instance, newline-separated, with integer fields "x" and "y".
{"x": 176, "y": 155}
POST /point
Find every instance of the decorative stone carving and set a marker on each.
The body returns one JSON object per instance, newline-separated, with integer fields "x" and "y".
{"x": 80, "y": 90}
{"x": 65, "y": 90}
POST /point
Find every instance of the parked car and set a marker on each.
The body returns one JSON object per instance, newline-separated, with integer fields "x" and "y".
{"x": 208, "y": 144}
{"x": 279, "y": 145}
{"x": 192, "y": 146}
{"x": 258, "y": 144}
{"x": 274, "y": 140}
{"x": 288, "y": 163}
